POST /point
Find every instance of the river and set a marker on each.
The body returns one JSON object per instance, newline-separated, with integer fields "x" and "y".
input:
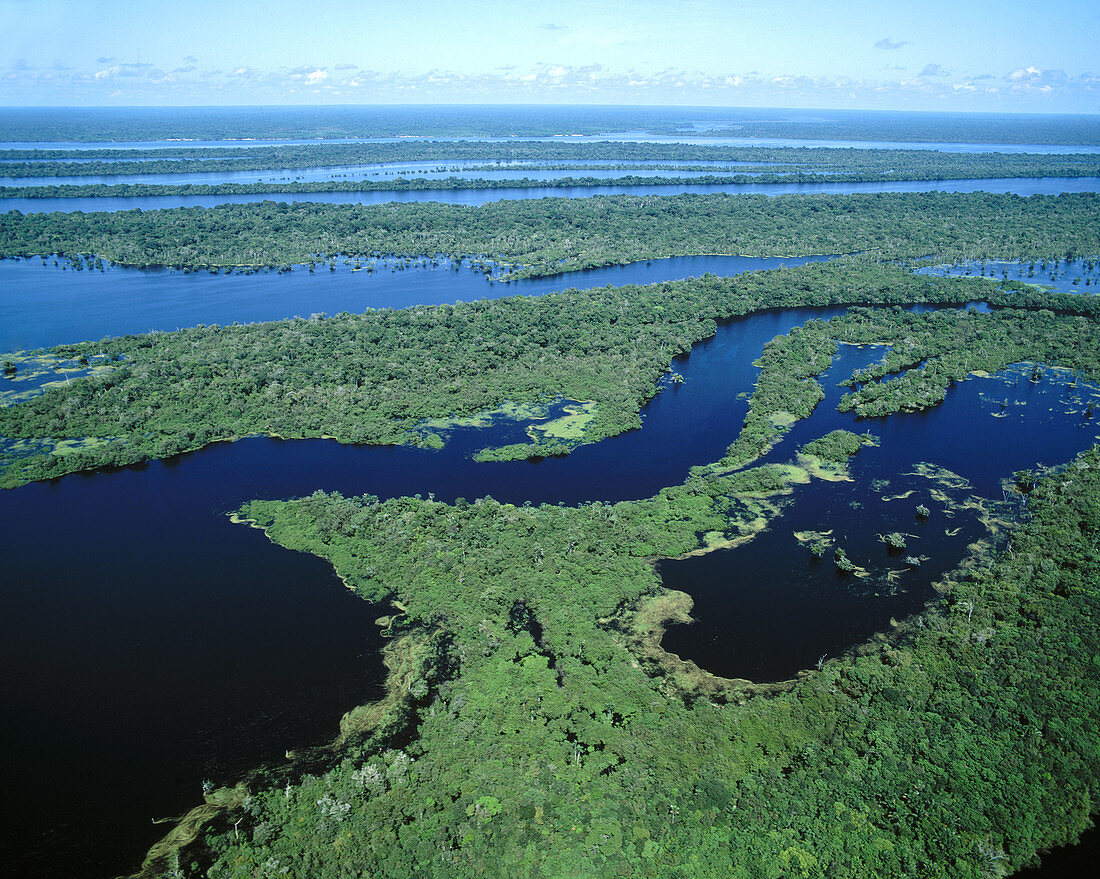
{"x": 430, "y": 170}
{"x": 148, "y": 644}
{"x": 47, "y": 304}
{"x": 1014, "y": 185}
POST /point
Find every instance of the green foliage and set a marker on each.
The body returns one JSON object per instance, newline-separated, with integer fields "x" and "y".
{"x": 839, "y": 445}
{"x": 930, "y": 351}
{"x": 550, "y": 751}
{"x": 842, "y": 562}
{"x": 376, "y": 377}
{"x": 602, "y": 769}
{"x": 895, "y": 540}
{"x": 786, "y": 163}
{"x": 549, "y": 236}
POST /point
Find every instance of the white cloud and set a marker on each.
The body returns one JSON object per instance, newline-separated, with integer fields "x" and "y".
{"x": 142, "y": 82}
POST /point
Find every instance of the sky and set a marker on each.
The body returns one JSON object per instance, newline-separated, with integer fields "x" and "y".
{"x": 1032, "y": 56}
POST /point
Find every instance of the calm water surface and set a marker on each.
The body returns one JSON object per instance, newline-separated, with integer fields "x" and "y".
{"x": 1014, "y": 185}
{"x": 46, "y": 304}
{"x": 148, "y": 644}
{"x": 430, "y": 170}
{"x": 768, "y": 609}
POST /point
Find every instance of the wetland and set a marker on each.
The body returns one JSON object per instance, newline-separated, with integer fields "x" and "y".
{"x": 573, "y": 549}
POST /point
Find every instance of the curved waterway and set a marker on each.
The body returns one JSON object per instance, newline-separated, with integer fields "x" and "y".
{"x": 768, "y": 609}
{"x": 1024, "y": 186}
{"x": 148, "y": 644}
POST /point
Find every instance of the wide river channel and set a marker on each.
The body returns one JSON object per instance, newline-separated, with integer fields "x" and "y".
{"x": 148, "y": 644}
{"x": 1014, "y": 185}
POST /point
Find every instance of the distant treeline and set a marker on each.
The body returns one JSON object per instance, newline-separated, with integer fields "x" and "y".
{"x": 885, "y": 164}
{"x": 548, "y": 236}
{"x": 28, "y": 124}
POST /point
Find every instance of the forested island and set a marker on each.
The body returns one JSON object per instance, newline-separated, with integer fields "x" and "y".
{"x": 381, "y": 377}
{"x": 548, "y": 661}
{"x": 548, "y": 236}
{"x": 533, "y": 724}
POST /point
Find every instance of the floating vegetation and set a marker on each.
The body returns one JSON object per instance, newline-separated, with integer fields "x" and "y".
{"x": 941, "y": 475}
{"x": 895, "y": 540}
{"x": 570, "y": 426}
{"x": 818, "y": 542}
{"x": 29, "y": 375}
{"x": 16, "y": 449}
{"x": 830, "y": 471}
{"x": 554, "y": 428}
{"x": 846, "y": 566}
{"x": 512, "y": 411}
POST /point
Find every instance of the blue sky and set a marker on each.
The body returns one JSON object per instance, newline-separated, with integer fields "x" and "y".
{"x": 965, "y": 55}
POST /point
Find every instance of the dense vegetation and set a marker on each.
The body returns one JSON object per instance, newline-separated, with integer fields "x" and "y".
{"x": 548, "y": 236}
{"x": 376, "y": 377}
{"x": 546, "y": 744}
{"x": 533, "y": 725}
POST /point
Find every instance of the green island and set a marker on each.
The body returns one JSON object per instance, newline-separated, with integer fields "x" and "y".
{"x": 553, "y": 736}
{"x": 399, "y": 376}
{"x": 532, "y": 238}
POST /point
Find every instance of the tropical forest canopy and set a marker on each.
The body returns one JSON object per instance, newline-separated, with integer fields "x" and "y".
{"x": 533, "y": 726}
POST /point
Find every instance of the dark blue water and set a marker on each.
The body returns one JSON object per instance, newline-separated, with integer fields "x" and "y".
{"x": 140, "y": 657}
{"x": 1014, "y": 185}
{"x": 49, "y": 304}
{"x": 768, "y": 609}
{"x": 148, "y": 644}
